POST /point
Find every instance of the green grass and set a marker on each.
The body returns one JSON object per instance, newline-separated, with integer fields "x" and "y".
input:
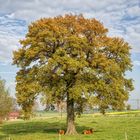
{"x": 46, "y": 128}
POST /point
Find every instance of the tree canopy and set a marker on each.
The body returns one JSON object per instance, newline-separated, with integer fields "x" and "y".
{"x": 72, "y": 58}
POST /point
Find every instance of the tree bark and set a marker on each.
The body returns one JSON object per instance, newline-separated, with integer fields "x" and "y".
{"x": 1, "y": 120}
{"x": 70, "y": 117}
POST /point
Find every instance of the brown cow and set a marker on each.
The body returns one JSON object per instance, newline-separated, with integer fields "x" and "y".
{"x": 90, "y": 131}
{"x": 61, "y": 132}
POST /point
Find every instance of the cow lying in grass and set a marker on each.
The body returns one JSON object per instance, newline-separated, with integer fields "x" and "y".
{"x": 61, "y": 132}
{"x": 90, "y": 131}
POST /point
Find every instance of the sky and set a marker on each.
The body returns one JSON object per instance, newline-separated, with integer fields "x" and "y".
{"x": 121, "y": 17}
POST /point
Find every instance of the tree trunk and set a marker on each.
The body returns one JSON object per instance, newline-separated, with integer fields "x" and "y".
{"x": 70, "y": 117}
{"x": 1, "y": 120}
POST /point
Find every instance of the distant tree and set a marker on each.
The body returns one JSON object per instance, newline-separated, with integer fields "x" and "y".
{"x": 6, "y": 102}
{"x": 128, "y": 107}
{"x": 81, "y": 105}
{"x": 15, "y": 106}
{"x": 47, "y": 102}
{"x": 70, "y": 58}
{"x": 35, "y": 106}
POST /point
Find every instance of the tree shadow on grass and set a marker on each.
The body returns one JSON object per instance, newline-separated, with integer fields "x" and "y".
{"x": 30, "y": 127}
{"x": 22, "y": 128}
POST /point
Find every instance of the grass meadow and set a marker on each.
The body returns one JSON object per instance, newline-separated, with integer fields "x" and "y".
{"x": 113, "y": 126}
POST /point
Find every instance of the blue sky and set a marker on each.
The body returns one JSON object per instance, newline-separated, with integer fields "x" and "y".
{"x": 121, "y": 17}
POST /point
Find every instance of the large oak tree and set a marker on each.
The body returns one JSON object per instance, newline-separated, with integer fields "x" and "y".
{"x": 71, "y": 58}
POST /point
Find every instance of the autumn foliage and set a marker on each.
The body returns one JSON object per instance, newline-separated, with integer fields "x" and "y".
{"x": 72, "y": 58}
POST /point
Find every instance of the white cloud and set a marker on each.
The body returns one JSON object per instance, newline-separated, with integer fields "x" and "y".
{"x": 136, "y": 63}
{"x": 134, "y": 11}
{"x": 32, "y": 9}
{"x": 10, "y": 32}
{"x": 7, "y": 72}
{"x": 4, "y": 63}
{"x": 122, "y": 17}
{"x": 8, "y": 43}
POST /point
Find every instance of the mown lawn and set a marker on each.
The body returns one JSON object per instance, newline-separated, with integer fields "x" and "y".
{"x": 110, "y": 127}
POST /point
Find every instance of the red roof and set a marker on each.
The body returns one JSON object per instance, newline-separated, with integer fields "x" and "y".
{"x": 14, "y": 114}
